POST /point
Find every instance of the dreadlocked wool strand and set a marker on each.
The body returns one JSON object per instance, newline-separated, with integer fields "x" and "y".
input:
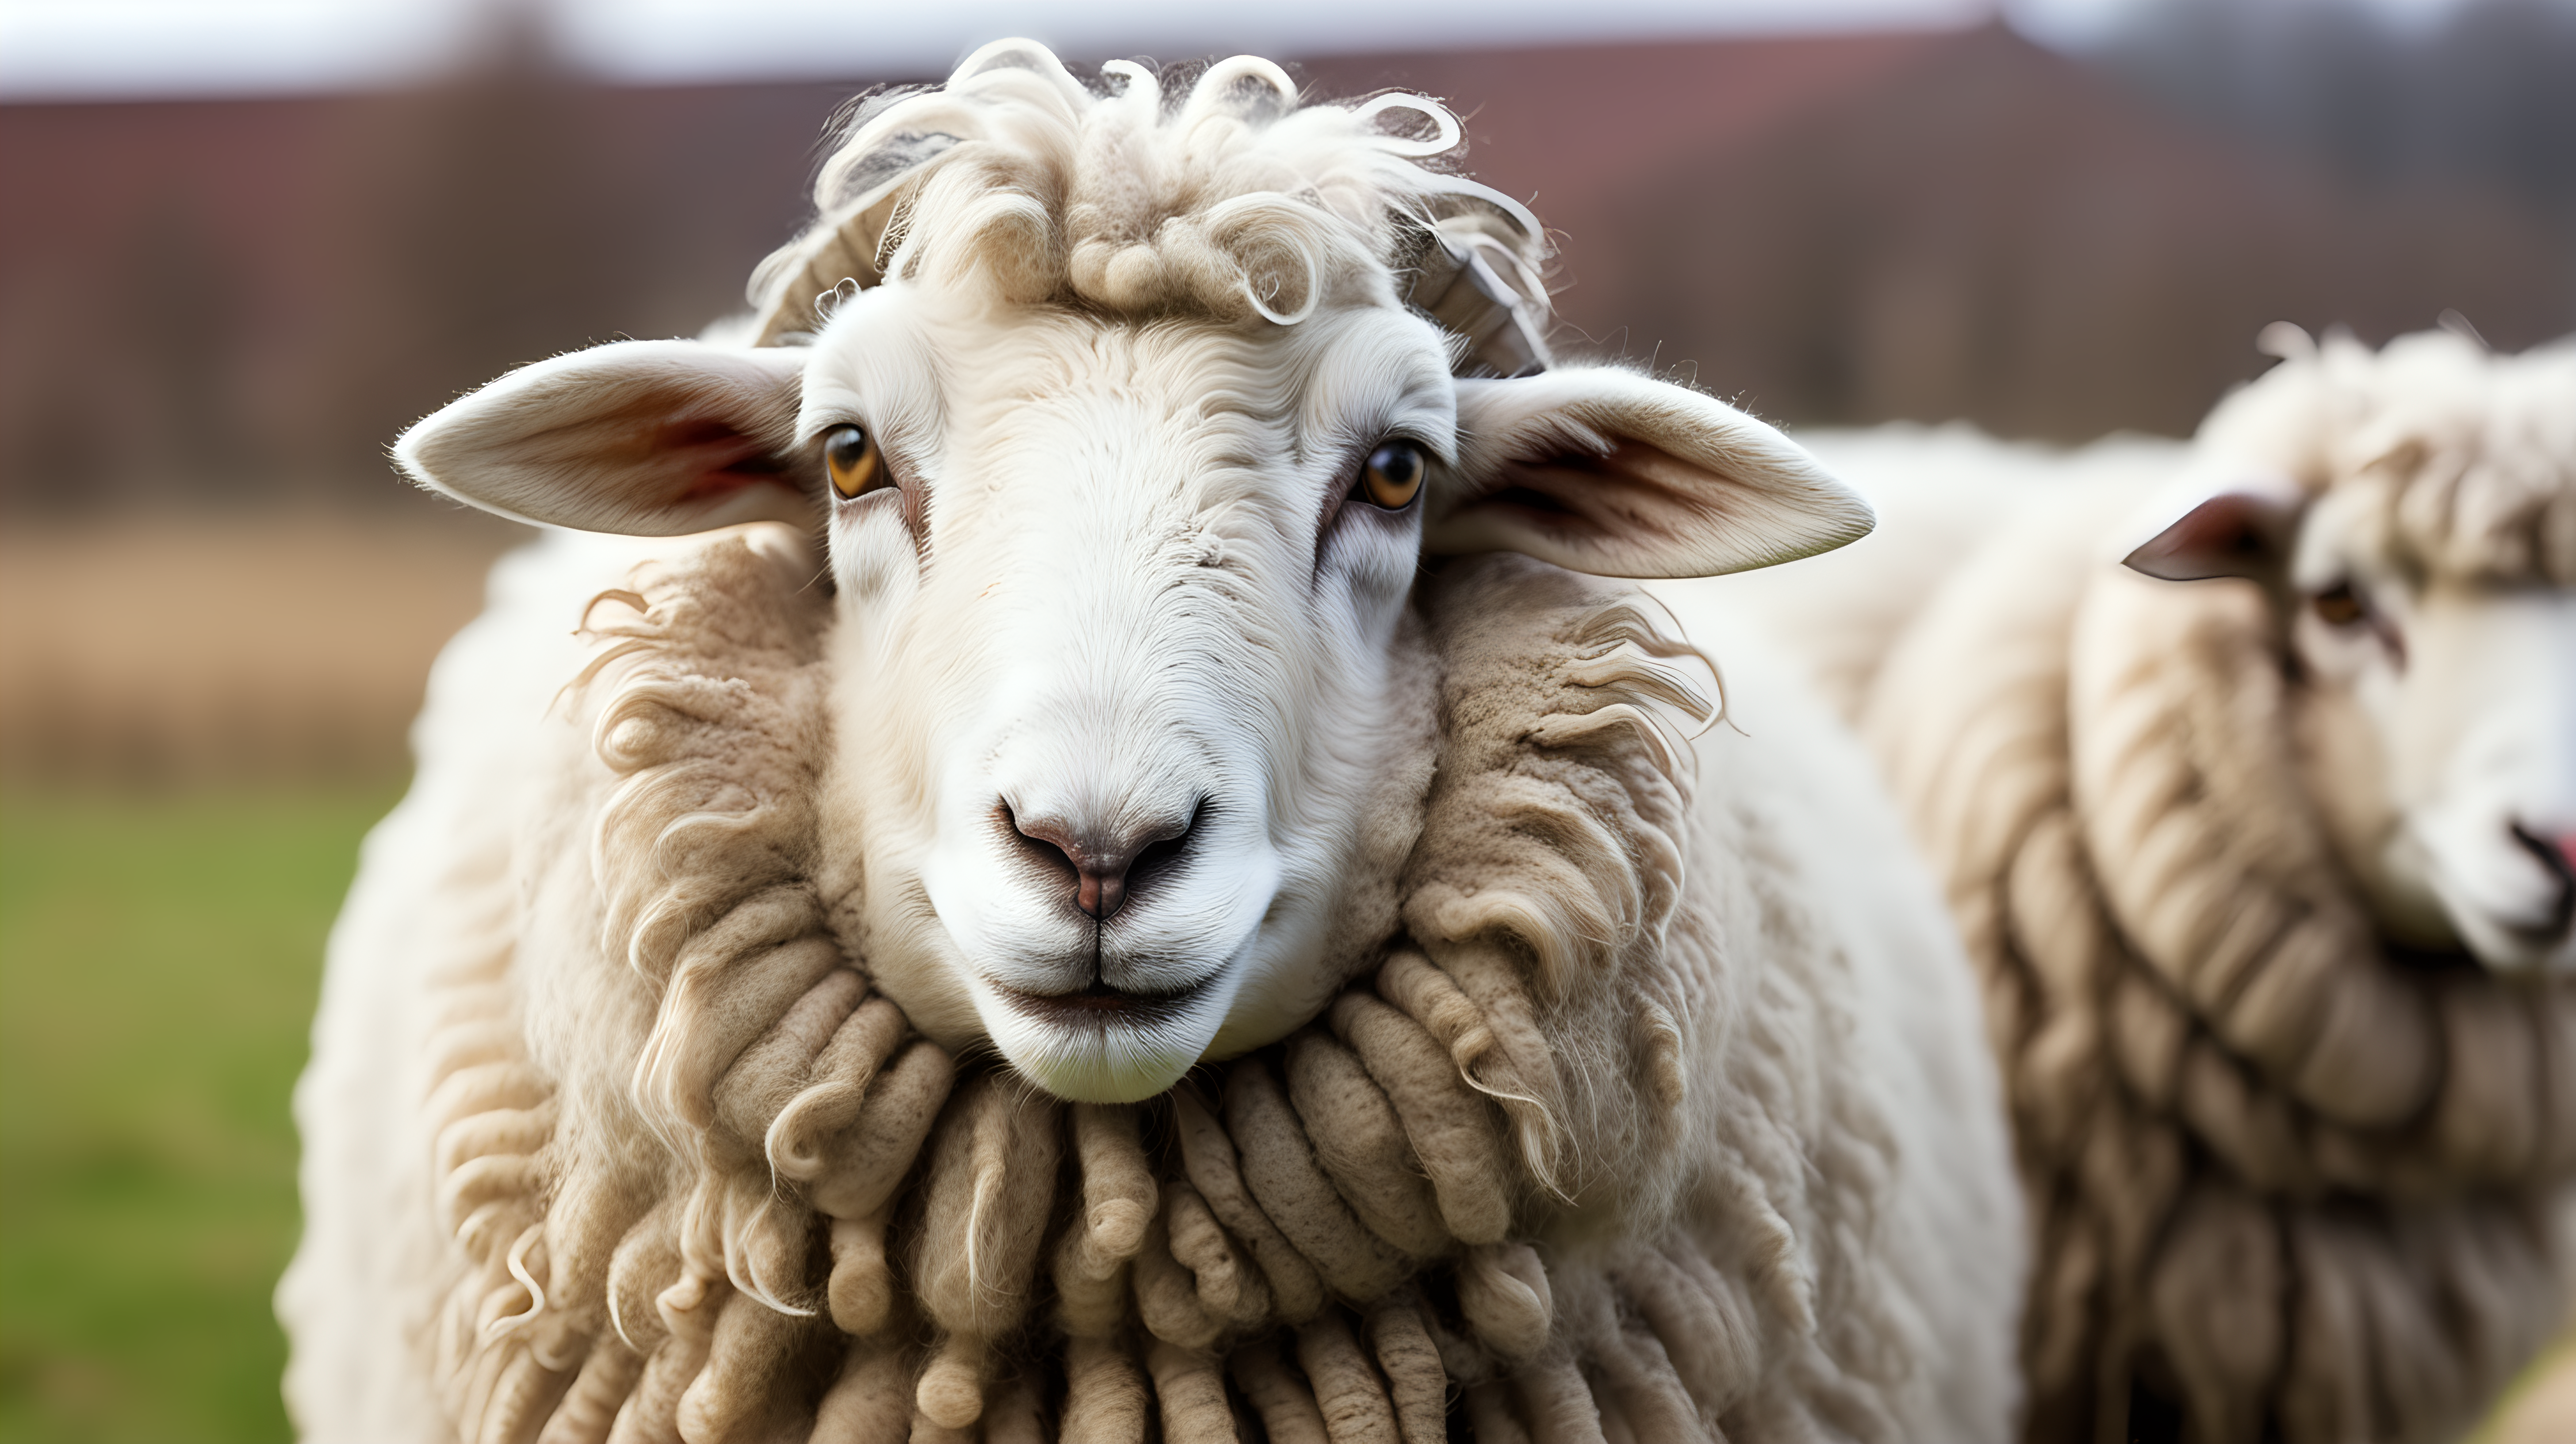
{"x": 1105, "y": 1397}
{"x": 828, "y": 1088}
{"x": 740, "y": 1392}
{"x": 1417, "y": 1382}
{"x": 1447, "y": 1125}
{"x": 1354, "y": 1404}
{"x": 1209, "y": 1159}
{"x": 1168, "y": 1295}
{"x": 589, "y": 1407}
{"x": 1118, "y": 1209}
{"x": 1229, "y": 1289}
{"x": 986, "y": 1202}
{"x": 1365, "y": 1154}
{"x": 1190, "y": 1386}
{"x": 761, "y": 1080}
{"x": 870, "y": 1399}
{"x": 1292, "y": 1189}
{"x": 1503, "y": 1291}
{"x": 1279, "y": 1399}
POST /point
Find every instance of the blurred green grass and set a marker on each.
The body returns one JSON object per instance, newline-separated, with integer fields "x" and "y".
{"x": 158, "y": 962}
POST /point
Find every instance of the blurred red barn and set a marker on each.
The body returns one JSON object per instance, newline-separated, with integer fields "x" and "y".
{"x": 250, "y": 297}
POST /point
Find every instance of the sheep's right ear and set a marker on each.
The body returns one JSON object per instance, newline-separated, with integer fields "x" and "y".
{"x": 650, "y": 438}
{"x": 1601, "y": 470}
{"x": 2239, "y": 526}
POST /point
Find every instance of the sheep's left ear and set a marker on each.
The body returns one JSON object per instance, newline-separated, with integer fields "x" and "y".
{"x": 648, "y": 438}
{"x": 2234, "y": 526}
{"x": 1605, "y": 471}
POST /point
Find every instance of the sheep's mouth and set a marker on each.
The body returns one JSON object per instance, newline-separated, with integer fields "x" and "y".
{"x": 1100, "y": 1005}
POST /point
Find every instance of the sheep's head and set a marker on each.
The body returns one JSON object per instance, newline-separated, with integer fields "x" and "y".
{"x": 1129, "y": 429}
{"x": 2414, "y": 514}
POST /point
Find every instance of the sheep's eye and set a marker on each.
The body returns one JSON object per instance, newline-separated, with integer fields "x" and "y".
{"x": 2338, "y": 605}
{"x": 1393, "y": 476}
{"x": 850, "y": 454}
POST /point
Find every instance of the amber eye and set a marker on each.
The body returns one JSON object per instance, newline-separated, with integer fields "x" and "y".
{"x": 851, "y": 456}
{"x": 1393, "y": 476}
{"x": 2338, "y": 605}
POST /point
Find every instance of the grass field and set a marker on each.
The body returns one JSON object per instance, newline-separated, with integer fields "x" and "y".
{"x": 158, "y": 958}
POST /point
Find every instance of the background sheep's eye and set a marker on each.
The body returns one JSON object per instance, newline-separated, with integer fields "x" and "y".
{"x": 851, "y": 455}
{"x": 2338, "y": 605}
{"x": 1393, "y": 476}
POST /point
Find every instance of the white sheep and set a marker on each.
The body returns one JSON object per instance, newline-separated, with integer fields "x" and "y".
{"x": 2271, "y": 878}
{"x": 1162, "y": 931}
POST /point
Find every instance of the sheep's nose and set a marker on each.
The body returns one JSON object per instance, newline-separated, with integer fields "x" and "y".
{"x": 2557, "y": 852}
{"x": 1104, "y": 865}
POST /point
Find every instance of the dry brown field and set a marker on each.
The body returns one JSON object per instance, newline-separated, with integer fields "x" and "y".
{"x": 175, "y": 649}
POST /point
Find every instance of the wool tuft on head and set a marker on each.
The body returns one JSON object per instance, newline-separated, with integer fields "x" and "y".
{"x": 1228, "y": 199}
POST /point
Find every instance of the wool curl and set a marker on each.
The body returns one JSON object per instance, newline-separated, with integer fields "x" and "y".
{"x": 1016, "y": 181}
{"x": 762, "y": 1207}
{"x": 2308, "y": 1187}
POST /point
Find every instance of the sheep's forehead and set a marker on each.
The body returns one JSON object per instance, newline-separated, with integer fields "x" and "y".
{"x": 2431, "y": 460}
{"x": 2482, "y": 491}
{"x": 1039, "y": 404}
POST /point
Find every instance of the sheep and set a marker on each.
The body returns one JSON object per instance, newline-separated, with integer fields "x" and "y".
{"x": 2265, "y": 846}
{"x": 1186, "y": 908}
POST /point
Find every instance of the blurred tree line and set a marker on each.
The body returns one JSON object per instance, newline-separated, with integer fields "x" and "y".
{"x": 2486, "y": 94}
{"x": 207, "y": 302}
{"x": 2060, "y": 249}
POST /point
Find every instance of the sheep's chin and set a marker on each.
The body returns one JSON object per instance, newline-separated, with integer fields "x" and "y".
{"x": 1114, "y": 1055}
{"x": 2501, "y": 904}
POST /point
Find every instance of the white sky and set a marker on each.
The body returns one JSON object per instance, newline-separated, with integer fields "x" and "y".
{"x": 105, "y": 48}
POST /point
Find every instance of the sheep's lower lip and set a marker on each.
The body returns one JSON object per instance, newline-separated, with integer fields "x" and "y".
{"x": 1100, "y": 1005}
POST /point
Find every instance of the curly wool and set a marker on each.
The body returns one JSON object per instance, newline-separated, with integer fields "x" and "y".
{"x": 1017, "y": 181}
{"x": 736, "y": 1198}
{"x": 2304, "y": 1184}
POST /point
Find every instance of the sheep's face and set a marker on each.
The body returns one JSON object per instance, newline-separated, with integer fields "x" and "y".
{"x": 1131, "y": 721}
{"x": 1130, "y": 749}
{"x": 2413, "y": 515}
{"x": 2437, "y": 726}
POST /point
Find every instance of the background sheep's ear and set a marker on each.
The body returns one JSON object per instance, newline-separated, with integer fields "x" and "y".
{"x": 2239, "y": 528}
{"x": 651, "y": 438}
{"x": 1605, "y": 471}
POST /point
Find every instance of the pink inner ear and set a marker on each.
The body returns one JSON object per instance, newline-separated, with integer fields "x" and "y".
{"x": 715, "y": 459}
{"x": 1626, "y": 490}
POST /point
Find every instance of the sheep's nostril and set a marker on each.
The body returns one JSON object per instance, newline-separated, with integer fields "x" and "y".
{"x": 1104, "y": 867}
{"x": 2557, "y": 852}
{"x": 1163, "y": 853}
